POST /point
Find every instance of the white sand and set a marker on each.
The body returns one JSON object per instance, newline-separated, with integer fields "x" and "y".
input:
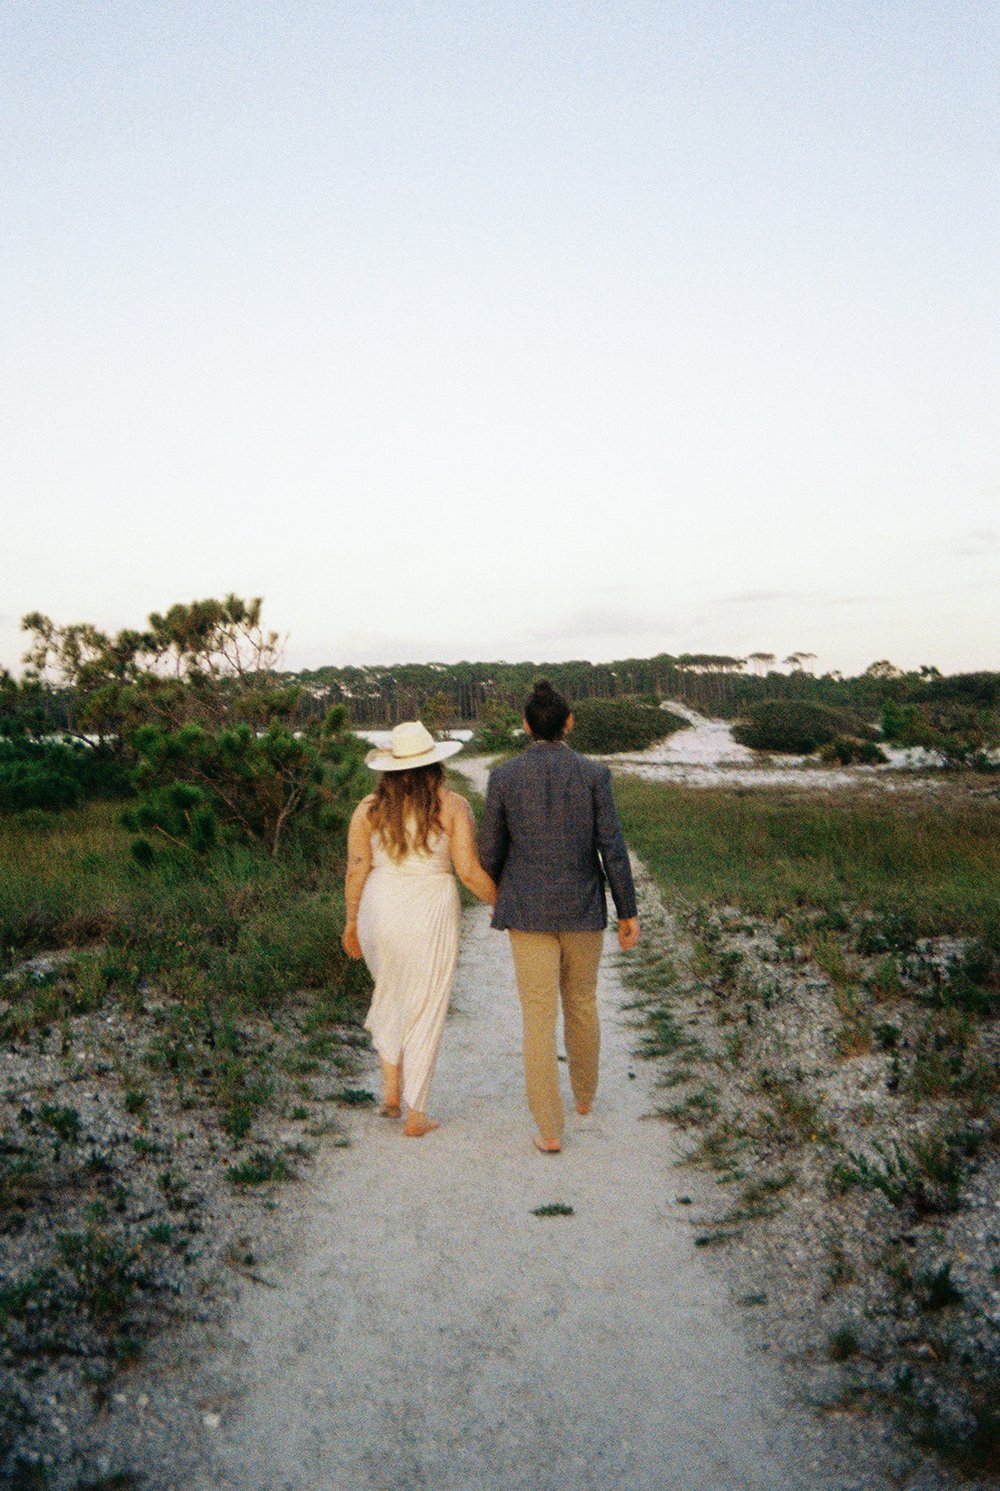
{"x": 706, "y": 755}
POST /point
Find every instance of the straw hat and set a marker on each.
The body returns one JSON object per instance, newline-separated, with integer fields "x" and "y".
{"x": 412, "y": 745}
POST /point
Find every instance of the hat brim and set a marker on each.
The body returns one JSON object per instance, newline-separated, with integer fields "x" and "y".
{"x": 386, "y": 761}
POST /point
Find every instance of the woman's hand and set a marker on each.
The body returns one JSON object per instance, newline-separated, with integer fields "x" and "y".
{"x": 349, "y": 942}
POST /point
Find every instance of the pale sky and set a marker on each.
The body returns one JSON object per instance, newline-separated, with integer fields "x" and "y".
{"x": 516, "y": 330}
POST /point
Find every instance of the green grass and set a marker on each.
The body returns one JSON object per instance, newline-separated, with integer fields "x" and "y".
{"x": 214, "y": 941}
{"x": 229, "y": 973}
{"x": 925, "y": 1174}
{"x": 825, "y": 901}
{"x": 933, "y": 862}
{"x": 237, "y": 923}
{"x": 843, "y": 1344}
{"x": 64, "y": 877}
{"x": 259, "y": 1169}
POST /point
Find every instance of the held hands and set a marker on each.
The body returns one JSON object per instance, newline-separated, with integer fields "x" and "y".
{"x": 349, "y": 942}
{"x": 628, "y": 933}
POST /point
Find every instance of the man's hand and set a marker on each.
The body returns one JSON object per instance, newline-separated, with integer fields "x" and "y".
{"x": 628, "y": 933}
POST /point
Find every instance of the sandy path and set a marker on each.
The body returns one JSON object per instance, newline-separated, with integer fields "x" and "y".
{"x": 427, "y": 1331}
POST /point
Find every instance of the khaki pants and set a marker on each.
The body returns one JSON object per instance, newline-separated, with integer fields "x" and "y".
{"x": 551, "y": 967}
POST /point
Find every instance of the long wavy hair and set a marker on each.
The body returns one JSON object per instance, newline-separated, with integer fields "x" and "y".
{"x": 407, "y": 809}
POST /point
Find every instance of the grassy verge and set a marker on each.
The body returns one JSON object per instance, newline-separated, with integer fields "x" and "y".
{"x": 821, "y": 985}
{"x": 935, "y": 863}
{"x": 175, "y": 1040}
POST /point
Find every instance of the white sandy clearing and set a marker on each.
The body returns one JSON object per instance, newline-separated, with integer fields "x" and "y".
{"x": 426, "y": 1330}
{"x": 706, "y": 755}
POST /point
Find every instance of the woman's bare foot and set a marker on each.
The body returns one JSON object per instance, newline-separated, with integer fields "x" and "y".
{"x": 547, "y": 1146}
{"x": 391, "y": 1110}
{"x": 583, "y": 1109}
{"x": 418, "y": 1124}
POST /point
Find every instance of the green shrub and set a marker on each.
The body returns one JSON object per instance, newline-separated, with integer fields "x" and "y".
{"x": 261, "y": 786}
{"x": 607, "y": 726}
{"x": 845, "y": 750}
{"x": 52, "y": 775}
{"x": 499, "y": 729}
{"x": 796, "y": 726}
{"x": 960, "y": 732}
{"x": 106, "y": 1269}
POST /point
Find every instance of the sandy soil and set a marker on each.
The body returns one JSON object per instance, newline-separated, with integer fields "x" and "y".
{"x": 706, "y": 755}
{"x": 423, "y": 1328}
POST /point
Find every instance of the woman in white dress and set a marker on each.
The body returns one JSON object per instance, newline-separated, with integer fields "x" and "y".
{"x": 403, "y": 909}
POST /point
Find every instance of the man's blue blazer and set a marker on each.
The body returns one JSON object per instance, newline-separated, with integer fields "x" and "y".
{"x": 549, "y": 836}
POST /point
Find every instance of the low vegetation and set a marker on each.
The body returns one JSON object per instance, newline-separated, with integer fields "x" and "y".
{"x": 172, "y": 988}
{"x": 608, "y": 726}
{"x": 798, "y": 726}
{"x": 822, "y": 999}
{"x": 922, "y": 866}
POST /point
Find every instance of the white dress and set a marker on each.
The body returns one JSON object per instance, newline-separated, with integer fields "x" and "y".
{"x": 408, "y": 923}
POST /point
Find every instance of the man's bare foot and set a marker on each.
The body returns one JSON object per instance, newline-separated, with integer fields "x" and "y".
{"x": 547, "y": 1146}
{"x": 391, "y": 1110}
{"x": 583, "y": 1108}
{"x": 418, "y": 1124}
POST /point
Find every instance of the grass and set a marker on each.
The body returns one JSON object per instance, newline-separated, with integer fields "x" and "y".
{"x": 238, "y": 924}
{"x": 843, "y": 1344}
{"x": 260, "y": 1168}
{"x": 833, "y": 1024}
{"x": 220, "y": 943}
{"x": 930, "y": 866}
{"x": 697, "y": 1107}
{"x": 926, "y": 1173}
{"x": 210, "y": 982}
{"x": 357, "y": 1097}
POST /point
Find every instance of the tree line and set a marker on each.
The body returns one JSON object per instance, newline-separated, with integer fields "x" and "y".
{"x": 197, "y": 713}
{"x": 463, "y": 694}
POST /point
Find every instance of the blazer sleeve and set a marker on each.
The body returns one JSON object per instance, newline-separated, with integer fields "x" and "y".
{"x": 611, "y": 844}
{"x": 494, "y": 837}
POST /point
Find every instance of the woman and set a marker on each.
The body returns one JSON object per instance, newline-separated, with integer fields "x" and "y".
{"x": 403, "y": 909}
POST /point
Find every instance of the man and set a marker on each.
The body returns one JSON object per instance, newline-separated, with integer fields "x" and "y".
{"x": 549, "y": 836}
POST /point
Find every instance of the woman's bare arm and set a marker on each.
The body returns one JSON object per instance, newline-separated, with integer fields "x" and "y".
{"x": 461, "y": 832}
{"x": 359, "y": 863}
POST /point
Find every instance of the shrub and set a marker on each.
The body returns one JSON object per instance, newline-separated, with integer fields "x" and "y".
{"x": 257, "y": 785}
{"x": 961, "y": 733}
{"x": 845, "y": 750}
{"x": 796, "y": 726}
{"x": 499, "y": 729}
{"x": 53, "y": 775}
{"x": 606, "y": 726}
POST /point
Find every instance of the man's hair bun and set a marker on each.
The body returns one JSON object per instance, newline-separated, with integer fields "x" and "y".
{"x": 546, "y": 711}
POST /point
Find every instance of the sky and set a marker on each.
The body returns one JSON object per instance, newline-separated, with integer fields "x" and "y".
{"x": 524, "y": 330}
